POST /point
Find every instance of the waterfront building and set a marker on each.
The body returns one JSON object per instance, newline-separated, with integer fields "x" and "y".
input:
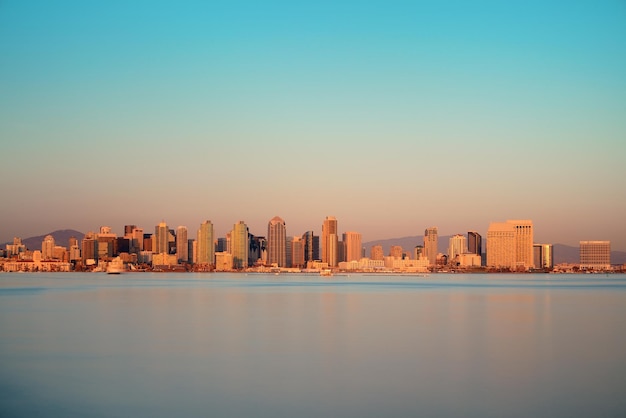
{"x": 543, "y": 255}
{"x": 223, "y": 261}
{"x": 595, "y": 255}
{"x": 430, "y": 245}
{"x": 501, "y": 245}
{"x": 330, "y": 241}
{"x": 47, "y": 248}
{"x": 510, "y": 245}
{"x": 277, "y": 242}
{"x": 239, "y": 245}
{"x": 523, "y": 244}
{"x": 353, "y": 247}
{"x": 377, "y": 253}
{"x": 474, "y": 243}
{"x": 205, "y": 244}
{"x": 182, "y": 250}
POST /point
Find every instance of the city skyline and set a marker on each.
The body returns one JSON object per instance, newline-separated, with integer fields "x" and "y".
{"x": 391, "y": 116}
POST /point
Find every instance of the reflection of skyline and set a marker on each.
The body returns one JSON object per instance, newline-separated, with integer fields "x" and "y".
{"x": 279, "y": 346}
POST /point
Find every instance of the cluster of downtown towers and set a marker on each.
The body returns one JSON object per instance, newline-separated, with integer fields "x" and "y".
{"x": 509, "y": 245}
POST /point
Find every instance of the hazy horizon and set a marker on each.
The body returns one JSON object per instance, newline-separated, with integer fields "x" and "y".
{"x": 391, "y": 116}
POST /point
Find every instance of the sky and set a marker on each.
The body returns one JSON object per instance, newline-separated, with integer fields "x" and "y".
{"x": 392, "y": 116}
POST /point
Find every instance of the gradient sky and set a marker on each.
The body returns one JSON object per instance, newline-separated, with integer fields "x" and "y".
{"x": 392, "y": 116}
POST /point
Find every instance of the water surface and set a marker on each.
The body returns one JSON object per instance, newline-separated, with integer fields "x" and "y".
{"x": 226, "y": 345}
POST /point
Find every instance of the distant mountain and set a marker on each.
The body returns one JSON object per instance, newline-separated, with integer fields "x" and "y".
{"x": 562, "y": 253}
{"x": 61, "y": 237}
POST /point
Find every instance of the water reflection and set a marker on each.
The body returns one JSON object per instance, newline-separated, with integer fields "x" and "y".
{"x": 260, "y": 346}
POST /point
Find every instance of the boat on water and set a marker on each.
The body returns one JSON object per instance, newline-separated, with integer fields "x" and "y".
{"x": 326, "y": 272}
{"x": 116, "y": 266}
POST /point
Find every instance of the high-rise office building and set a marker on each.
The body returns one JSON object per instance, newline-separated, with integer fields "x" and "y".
{"x": 161, "y": 239}
{"x": 543, "y": 255}
{"x": 377, "y": 253}
{"x": 510, "y": 244}
{"x": 430, "y": 245}
{"x": 352, "y": 244}
{"x": 277, "y": 242}
{"x": 474, "y": 243}
{"x": 523, "y": 244}
{"x": 89, "y": 247}
{"x": 501, "y": 245}
{"x": 205, "y": 244}
{"x": 182, "y": 250}
{"x": 297, "y": 252}
{"x": 239, "y": 245}
{"x": 47, "y": 247}
{"x": 330, "y": 241}
{"x": 311, "y": 246}
{"x": 595, "y": 255}
{"x": 457, "y": 246}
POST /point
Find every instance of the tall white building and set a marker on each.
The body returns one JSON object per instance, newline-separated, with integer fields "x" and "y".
{"x": 205, "y": 246}
{"x": 277, "y": 242}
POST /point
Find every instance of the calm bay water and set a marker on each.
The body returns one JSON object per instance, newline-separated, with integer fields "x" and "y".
{"x": 235, "y": 345}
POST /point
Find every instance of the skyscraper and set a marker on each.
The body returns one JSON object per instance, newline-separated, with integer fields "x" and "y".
{"x": 352, "y": 243}
{"x": 47, "y": 247}
{"x": 501, "y": 245}
{"x": 277, "y": 242}
{"x": 239, "y": 245}
{"x": 523, "y": 244}
{"x": 511, "y": 245}
{"x": 474, "y": 243}
{"x": 595, "y": 255}
{"x": 297, "y": 252}
{"x": 330, "y": 241}
{"x": 430, "y": 245}
{"x": 311, "y": 246}
{"x": 205, "y": 245}
{"x": 161, "y": 239}
{"x": 182, "y": 251}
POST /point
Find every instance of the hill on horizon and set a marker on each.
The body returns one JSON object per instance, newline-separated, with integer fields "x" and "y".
{"x": 61, "y": 237}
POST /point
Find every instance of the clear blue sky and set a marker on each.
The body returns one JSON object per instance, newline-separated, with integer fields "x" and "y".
{"x": 392, "y": 116}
